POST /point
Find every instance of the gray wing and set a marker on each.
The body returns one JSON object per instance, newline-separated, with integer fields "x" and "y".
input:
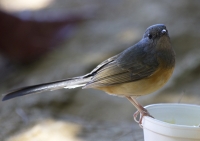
{"x": 131, "y": 65}
{"x": 100, "y": 66}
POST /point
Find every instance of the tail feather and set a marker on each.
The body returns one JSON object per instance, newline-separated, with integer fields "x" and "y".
{"x": 68, "y": 83}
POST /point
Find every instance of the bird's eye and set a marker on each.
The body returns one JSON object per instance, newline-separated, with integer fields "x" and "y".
{"x": 150, "y": 36}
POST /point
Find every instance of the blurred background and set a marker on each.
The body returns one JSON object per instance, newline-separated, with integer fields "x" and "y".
{"x": 47, "y": 40}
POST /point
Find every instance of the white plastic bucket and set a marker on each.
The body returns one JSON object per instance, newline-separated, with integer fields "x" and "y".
{"x": 172, "y": 122}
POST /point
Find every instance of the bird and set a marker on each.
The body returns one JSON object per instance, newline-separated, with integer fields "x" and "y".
{"x": 139, "y": 70}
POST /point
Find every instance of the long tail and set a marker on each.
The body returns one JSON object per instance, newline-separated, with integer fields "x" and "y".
{"x": 68, "y": 83}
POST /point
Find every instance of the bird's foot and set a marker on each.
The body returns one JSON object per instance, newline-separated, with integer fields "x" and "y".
{"x": 143, "y": 113}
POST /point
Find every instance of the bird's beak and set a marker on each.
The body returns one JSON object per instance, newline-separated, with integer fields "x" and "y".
{"x": 164, "y": 31}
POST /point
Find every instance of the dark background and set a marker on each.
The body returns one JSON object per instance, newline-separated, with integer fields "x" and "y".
{"x": 91, "y": 115}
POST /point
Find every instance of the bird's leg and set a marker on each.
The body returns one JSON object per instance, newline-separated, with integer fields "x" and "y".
{"x": 140, "y": 109}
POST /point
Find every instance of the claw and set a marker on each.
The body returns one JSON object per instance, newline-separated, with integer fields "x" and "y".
{"x": 142, "y": 114}
{"x": 135, "y": 115}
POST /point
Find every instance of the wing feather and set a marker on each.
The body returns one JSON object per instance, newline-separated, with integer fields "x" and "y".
{"x": 131, "y": 65}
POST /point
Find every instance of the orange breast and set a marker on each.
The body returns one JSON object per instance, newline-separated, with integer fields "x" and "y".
{"x": 141, "y": 87}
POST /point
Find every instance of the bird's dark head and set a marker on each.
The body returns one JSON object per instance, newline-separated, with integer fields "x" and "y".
{"x": 157, "y": 38}
{"x": 155, "y": 32}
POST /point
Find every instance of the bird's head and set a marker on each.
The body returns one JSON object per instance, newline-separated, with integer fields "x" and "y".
{"x": 158, "y": 36}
